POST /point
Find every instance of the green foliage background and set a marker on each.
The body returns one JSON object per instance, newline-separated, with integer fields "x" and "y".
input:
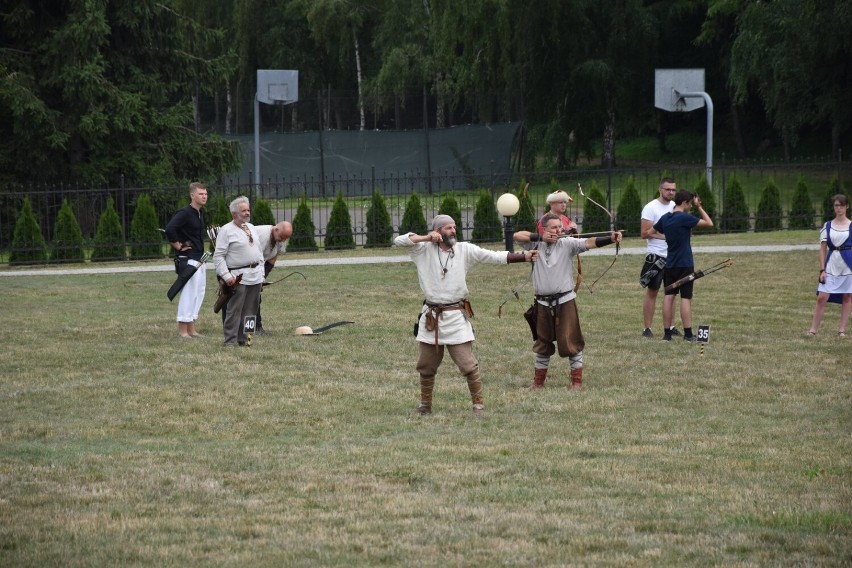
{"x": 769, "y": 210}
{"x": 68, "y": 241}
{"x": 145, "y": 238}
{"x": 261, "y": 213}
{"x": 413, "y": 220}
{"x": 708, "y": 202}
{"x": 486, "y": 220}
{"x": 802, "y": 209}
{"x": 108, "y": 239}
{"x": 595, "y": 219}
{"x": 735, "y": 215}
{"x": 629, "y": 215}
{"x": 339, "y": 230}
{"x": 303, "y": 229}
{"x": 525, "y": 220}
{"x": 379, "y": 228}
{"x": 28, "y": 246}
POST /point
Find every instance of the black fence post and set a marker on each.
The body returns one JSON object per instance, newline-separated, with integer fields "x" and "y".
{"x": 123, "y": 194}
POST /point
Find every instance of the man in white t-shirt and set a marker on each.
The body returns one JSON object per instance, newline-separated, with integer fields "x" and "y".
{"x": 651, "y": 277}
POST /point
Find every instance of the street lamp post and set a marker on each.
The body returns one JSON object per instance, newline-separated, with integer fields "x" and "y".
{"x": 507, "y": 206}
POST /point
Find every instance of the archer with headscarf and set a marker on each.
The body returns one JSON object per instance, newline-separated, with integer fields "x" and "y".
{"x": 444, "y": 320}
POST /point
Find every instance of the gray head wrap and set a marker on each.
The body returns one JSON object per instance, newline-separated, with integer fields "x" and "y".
{"x": 441, "y": 221}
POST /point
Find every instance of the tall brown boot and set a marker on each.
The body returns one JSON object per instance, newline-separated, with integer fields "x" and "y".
{"x": 474, "y": 385}
{"x": 426, "y": 386}
{"x": 538, "y": 379}
{"x": 577, "y": 379}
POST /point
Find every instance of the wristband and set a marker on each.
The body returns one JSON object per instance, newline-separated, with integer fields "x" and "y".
{"x": 821, "y": 271}
{"x": 535, "y": 237}
{"x": 603, "y": 241}
{"x": 516, "y": 257}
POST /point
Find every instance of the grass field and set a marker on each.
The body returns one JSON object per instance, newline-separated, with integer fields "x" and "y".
{"x": 122, "y": 445}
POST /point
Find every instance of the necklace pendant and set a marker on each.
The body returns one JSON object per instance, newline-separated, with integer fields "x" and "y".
{"x": 443, "y": 273}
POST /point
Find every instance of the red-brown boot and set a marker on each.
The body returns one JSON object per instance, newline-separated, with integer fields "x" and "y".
{"x": 538, "y": 379}
{"x": 576, "y": 379}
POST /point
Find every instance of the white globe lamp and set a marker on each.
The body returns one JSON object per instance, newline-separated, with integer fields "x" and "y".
{"x": 507, "y": 206}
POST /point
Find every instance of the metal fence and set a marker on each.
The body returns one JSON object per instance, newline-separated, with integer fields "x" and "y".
{"x": 284, "y": 195}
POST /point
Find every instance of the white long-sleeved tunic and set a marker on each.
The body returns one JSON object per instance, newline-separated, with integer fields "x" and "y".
{"x": 446, "y": 288}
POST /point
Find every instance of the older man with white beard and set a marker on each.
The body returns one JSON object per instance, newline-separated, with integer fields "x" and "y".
{"x": 238, "y": 254}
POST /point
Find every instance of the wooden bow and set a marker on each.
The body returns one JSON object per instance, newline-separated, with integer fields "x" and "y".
{"x": 612, "y": 230}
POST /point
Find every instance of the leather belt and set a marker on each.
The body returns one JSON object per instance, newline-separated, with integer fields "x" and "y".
{"x": 552, "y": 298}
{"x": 252, "y": 265}
{"x": 433, "y": 314}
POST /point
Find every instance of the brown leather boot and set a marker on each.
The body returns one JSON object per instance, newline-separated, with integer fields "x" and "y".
{"x": 474, "y": 385}
{"x": 538, "y": 379}
{"x": 427, "y": 383}
{"x": 576, "y": 379}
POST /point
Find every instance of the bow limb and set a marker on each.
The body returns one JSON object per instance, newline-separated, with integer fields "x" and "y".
{"x": 513, "y": 294}
{"x": 612, "y": 229}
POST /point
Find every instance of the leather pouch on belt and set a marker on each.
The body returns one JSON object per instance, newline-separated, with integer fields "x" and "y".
{"x": 430, "y": 321}
{"x": 468, "y": 309}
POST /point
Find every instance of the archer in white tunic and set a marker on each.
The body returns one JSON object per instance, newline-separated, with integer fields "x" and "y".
{"x": 442, "y": 266}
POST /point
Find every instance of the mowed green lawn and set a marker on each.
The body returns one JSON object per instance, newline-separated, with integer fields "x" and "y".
{"x": 121, "y": 444}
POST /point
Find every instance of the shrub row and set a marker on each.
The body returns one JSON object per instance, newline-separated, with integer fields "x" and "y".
{"x": 146, "y": 241}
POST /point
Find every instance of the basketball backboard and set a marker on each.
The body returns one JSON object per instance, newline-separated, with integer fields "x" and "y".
{"x": 275, "y": 86}
{"x": 670, "y": 83}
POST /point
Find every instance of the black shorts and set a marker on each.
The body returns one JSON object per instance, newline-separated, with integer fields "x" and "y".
{"x": 651, "y": 275}
{"x": 672, "y": 275}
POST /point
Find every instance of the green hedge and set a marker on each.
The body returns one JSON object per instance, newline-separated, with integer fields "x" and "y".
{"x": 28, "y": 246}
{"x": 379, "y": 227}
{"x": 338, "y": 233}
{"x": 413, "y": 220}
{"x": 68, "y": 240}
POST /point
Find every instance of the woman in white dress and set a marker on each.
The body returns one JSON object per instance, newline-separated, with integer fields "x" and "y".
{"x": 835, "y": 261}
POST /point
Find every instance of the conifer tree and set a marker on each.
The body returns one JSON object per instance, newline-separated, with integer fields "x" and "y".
{"x": 449, "y": 206}
{"x": 769, "y": 211}
{"x": 108, "y": 242}
{"x": 708, "y": 203}
{"x": 413, "y": 220}
{"x": 525, "y": 220}
{"x": 486, "y": 220}
{"x": 132, "y": 66}
{"x": 28, "y": 246}
{"x": 67, "y": 238}
{"x": 261, "y": 213}
{"x": 735, "y": 216}
{"x": 828, "y": 203}
{"x": 339, "y": 230}
{"x": 304, "y": 231}
{"x": 801, "y": 207}
{"x": 379, "y": 228}
{"x": 220, "y": 214}
{"x": 629, "y": 214}
{"x": 145, "y": 238}
{"x": 595, "y": 219}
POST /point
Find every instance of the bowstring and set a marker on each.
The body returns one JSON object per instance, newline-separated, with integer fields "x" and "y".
{"x": 612, "y": 229}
